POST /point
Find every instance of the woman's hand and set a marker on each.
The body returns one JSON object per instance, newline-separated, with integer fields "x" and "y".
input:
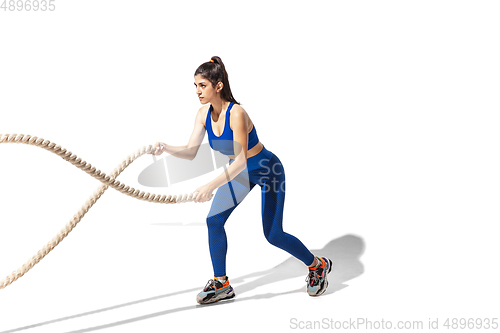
{"x": 203, "y": 193}
{"x": 159, "y": 148}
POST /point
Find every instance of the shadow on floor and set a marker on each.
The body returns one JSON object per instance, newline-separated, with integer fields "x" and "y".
{"x": 344, "y": 253}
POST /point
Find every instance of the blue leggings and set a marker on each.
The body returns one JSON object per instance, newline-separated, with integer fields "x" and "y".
{"x": 266, "y": 170}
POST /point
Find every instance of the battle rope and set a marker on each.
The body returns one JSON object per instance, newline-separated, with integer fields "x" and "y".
{"x": 97, "y": 174}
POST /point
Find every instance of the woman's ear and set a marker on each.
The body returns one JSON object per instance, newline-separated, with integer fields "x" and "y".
{"x": 219, "y": 86}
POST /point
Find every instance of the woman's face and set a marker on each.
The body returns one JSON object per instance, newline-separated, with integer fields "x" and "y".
{"x": 204, "y": 89}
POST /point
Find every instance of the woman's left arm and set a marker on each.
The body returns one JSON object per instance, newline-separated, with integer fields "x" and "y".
{"x": 239, "y": 120}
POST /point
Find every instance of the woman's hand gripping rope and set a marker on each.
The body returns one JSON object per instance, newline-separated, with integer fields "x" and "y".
{"x": 203, "y": 193}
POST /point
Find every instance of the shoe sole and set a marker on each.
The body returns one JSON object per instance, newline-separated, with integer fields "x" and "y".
{"x": 221, "y": 297}
{"x": 326, "y": 279}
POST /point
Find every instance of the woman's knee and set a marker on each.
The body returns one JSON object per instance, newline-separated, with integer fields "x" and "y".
{"x": 216, "y": 221}
{"x": 275, "y": 237}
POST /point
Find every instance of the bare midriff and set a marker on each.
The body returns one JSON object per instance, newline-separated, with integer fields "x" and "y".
{"x": 252, "y": 152}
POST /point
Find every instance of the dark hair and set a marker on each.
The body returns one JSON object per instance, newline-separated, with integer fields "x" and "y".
{"x": 215, "y": 72}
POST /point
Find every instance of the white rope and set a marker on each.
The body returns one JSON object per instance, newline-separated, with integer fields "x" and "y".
{"x": 97, "y": 174}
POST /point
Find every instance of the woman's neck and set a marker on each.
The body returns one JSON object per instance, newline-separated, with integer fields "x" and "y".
{"x": 219, "y": 106}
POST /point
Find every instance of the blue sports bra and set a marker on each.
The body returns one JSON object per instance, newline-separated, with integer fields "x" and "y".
{"x": 224, "y": 142}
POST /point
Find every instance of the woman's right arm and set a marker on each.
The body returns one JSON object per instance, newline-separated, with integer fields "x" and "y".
{"x": 190, "y": 150}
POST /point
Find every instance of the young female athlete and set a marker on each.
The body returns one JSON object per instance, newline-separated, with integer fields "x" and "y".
{"x": 232, "y": 132}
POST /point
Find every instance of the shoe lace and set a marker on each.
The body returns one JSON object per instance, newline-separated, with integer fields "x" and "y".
{"x": 210, "y": 284}
{"x": 313, "y": 278}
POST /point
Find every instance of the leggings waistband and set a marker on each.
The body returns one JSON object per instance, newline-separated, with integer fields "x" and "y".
{"x": 259, "y": 160}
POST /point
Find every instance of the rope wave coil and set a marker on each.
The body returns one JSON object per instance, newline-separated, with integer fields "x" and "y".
{"x": 106, "y": 180}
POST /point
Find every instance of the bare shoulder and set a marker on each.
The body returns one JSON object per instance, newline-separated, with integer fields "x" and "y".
{"x": 202, "y": 114}
{"x": 240, "y": 116}
{"x": 239, "y": 112}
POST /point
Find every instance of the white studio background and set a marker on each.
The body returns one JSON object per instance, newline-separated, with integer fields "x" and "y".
{"x": 384, "y": 114}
